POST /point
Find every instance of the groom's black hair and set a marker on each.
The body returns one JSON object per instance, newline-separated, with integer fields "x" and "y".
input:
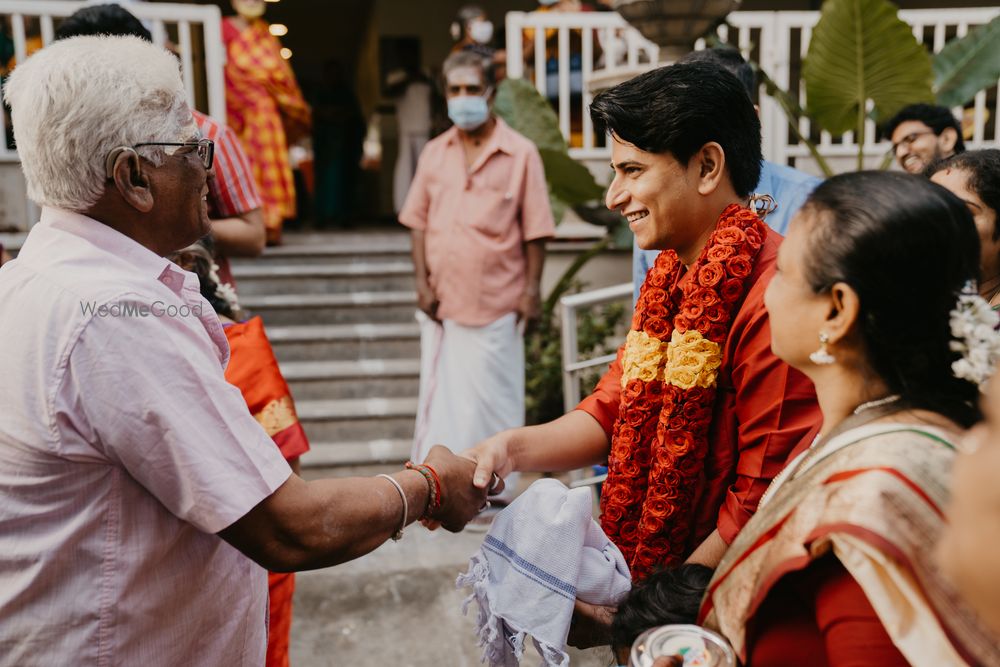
{"x": 678, "y": 109}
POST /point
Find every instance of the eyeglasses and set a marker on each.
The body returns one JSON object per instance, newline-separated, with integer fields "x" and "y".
{"x": 204, "y": 147}
{"x": 909, "y": 139}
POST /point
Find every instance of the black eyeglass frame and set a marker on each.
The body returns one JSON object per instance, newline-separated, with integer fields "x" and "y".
{"x": 204, "y": 147}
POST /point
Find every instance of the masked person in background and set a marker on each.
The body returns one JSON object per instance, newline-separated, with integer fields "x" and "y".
{"x": 473, "y": 31}
{"x": 479, "y": 213}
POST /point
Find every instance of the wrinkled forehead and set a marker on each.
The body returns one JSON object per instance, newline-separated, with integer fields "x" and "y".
{"x": 466, "y": 77}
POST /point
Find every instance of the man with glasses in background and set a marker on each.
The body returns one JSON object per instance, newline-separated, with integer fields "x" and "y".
{"x": 922, "y": 134}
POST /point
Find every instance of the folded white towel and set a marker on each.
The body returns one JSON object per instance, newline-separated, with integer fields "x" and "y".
{"x": 542, "y": 553}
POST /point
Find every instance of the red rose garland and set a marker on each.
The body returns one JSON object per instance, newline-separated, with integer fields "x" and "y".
{"x": 669, "y": 369}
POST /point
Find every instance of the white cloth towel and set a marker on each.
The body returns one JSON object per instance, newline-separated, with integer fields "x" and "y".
{"x": 542, "y": 553}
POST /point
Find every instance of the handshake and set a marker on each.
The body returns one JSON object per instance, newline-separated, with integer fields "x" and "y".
{"x": 466, "y": 482}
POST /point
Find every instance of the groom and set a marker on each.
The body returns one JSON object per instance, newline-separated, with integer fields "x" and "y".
{"x": 696, "y": 415}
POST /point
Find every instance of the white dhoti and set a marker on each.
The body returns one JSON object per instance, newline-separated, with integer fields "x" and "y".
{"x": 471, "y": 384}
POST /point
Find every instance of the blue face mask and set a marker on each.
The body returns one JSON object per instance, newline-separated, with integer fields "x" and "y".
{"x": 468, "y": 111}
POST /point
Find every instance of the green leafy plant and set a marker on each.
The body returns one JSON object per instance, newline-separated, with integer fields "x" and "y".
{"x": 967, "y": 65}
{"x": 856, "y": 54}
{"x": 862, "y": 51}
{"x": 571, "y": 185}
{"x": 597, "y": 331}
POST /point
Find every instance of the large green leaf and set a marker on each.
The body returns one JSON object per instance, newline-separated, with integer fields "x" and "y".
{"x": 568, "y": 179}
{"x": 524, "y": 109}
{"x": 860, "y": 50}
{"x": 966, "y": 66}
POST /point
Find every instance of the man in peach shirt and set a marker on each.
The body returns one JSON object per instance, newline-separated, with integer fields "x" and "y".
{"x": 479, "y": 214}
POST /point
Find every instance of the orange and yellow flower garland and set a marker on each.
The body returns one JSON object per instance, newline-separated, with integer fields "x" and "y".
{"x": 669, "y": 370}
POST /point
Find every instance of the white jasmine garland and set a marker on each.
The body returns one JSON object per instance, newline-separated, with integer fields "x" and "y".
{"x": 974, "y": 327}
{"x": 224, "y": 290}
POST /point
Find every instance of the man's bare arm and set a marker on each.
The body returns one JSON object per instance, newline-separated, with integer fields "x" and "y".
{"x": 240, "y": 236}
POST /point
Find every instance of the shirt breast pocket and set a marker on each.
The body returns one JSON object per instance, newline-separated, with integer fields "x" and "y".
{"x": 492, "y": 211}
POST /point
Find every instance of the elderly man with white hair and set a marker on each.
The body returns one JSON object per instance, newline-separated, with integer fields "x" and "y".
{"x": 138, "y": 497}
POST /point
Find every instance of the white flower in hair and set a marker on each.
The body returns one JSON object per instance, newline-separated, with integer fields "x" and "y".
{"x": 224, "y": 290}
{"x": 974, "y": 327}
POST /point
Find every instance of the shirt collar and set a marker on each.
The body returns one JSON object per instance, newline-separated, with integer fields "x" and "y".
{"x": 113, "y": 242}
{"x": 498, "y": 141}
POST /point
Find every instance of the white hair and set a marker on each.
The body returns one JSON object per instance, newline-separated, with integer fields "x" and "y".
{"x": 76, "y": 100}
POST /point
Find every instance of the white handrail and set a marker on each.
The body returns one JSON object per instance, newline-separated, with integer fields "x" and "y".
{"x": 571, "y": 363}
{"x": 159, "y": 14}
{"x": 156, "y": 15}
{"x": 770, "y": 38}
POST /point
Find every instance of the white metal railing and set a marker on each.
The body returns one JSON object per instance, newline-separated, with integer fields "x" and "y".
{"x": 778, "y": 41}
{"x": 202, "y": 56}
{"x": 605, "y": 41}
{"x": 571, "y": 362}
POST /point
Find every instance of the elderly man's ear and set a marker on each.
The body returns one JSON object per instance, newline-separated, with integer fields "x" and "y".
{"x": 131, "y": 181}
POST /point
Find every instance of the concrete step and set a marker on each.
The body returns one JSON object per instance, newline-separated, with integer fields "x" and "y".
{"x": 345, "y": 308}
{"x": 345, "y": 341}
{"x": 362, "y": 419}
{"x": 323, "y": 251}
{"x": 357, "y": 378}
{"x": 273, "y": 278}
{"x": 339, "y": 455}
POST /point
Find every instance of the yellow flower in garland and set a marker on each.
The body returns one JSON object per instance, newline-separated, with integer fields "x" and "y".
{"x": 691, "y": 360}
{"x": 644, "y": 358}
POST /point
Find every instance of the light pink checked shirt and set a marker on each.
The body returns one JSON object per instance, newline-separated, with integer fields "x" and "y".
{"x": 122, "y": 452}
{"x": 476, "y": 222}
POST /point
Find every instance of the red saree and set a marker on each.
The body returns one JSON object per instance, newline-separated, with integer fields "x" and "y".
{"x": 265, "y": 108}
{"x": 253, "y": 369}
{"x": 871, "y": 498}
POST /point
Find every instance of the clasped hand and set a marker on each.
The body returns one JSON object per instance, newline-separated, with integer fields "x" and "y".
{"x": 462, "y": 500}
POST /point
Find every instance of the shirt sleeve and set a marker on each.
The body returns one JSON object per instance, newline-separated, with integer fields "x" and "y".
{"x": 536, "y": 211}
{"x": 232, "y": 190}
{"x": 153, "y": 393}
{"x": 603, "y": 402}
{"x": 775, "y": 411}
{"x": 418, "y": 199}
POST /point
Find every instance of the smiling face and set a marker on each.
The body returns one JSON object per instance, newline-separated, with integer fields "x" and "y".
{"x": 957, "y": 180}
{"x": 916, "y": 146}
{"x": 249, "y": 9}
{"x": 657, "y": 196}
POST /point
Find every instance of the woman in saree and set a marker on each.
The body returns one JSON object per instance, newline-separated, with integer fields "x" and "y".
{"x": 253, "y": 369}
{"x": 265, "y": 108}
{"x": 974, "y": 177}
{"x": 874, "y": 299}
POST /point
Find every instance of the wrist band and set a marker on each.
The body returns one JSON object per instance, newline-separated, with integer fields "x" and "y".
{"x": 435, "y": 494}
{"x": 406, "y": 510}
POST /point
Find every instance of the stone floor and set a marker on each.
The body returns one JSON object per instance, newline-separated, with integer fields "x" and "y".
{"x": 397, "y": 607}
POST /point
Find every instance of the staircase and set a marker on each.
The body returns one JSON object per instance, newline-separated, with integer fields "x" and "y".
{"x": 338, "y": 308}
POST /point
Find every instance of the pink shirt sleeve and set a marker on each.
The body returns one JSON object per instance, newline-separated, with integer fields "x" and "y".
{"x": 417, "y": 206}
{"x": 150, "y": 392}
{"x": 536, "y": 212}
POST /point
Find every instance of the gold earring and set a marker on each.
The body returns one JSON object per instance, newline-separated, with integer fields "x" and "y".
{"x": 822, "y": 356}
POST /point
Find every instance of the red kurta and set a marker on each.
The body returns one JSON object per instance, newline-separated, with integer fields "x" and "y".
{"x": 764, "y": 410}
{"x": 253, "y": 369}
